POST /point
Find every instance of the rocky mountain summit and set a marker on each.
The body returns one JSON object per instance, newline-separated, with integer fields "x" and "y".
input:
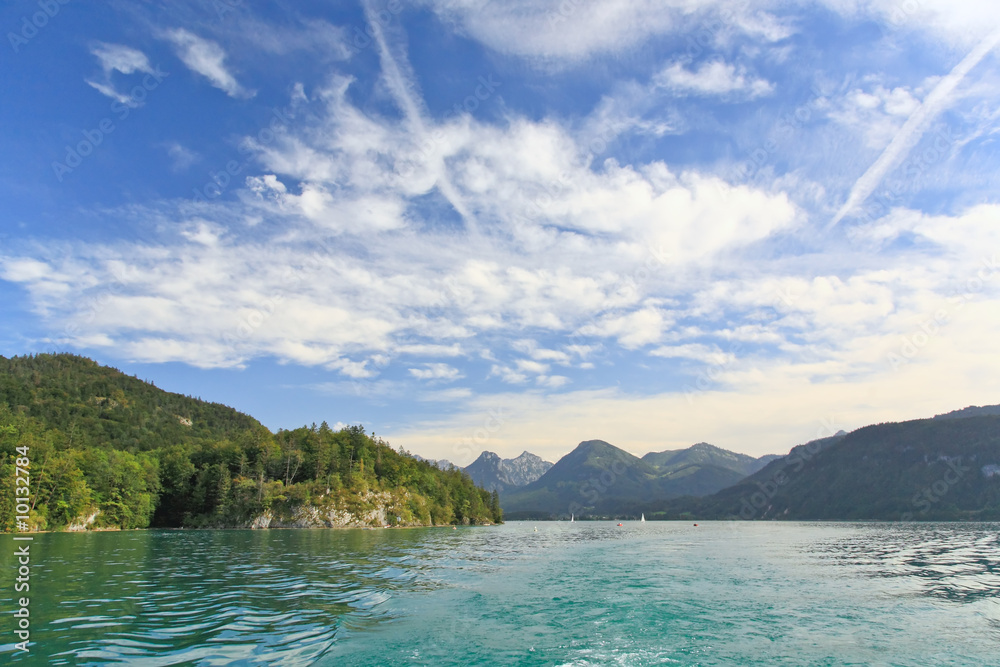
{"x": 493, "y": 473}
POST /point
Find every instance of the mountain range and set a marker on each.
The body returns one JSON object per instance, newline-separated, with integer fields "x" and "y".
{"x": 939, "y": 469}
{"x": 943, "y": 468}
{"x": 116, "y": 452}
{"x": 599, "y": 478}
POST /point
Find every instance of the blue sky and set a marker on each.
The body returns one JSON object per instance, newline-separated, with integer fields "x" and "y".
{"x": 473, "y": 224}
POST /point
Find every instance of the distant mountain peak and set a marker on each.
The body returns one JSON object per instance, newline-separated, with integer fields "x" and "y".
{"x": 443, "y": 464}
{"x": 594, "y": 444}
{"x": 494, "y": 473}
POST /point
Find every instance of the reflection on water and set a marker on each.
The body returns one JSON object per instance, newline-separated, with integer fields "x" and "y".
{"x": 570, "y": 594}
{"x": 952, "y": 562}
{"x": 207, "y": 597}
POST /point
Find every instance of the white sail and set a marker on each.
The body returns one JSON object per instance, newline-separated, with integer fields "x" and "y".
{"x": 642, "y": 518}
{"x": 571, "y": 520}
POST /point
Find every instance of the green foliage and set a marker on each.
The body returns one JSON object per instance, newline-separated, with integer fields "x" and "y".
{"x": 921, "y": 470}
{"x": 102, "y": 442}
{"x": 98, "y": 406}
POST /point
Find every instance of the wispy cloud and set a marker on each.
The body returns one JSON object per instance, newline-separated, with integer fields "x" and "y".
{"x": 402, "y": 84}
{"x": 939, "y": 99}
{"x": 436, "y": 371}
{"x": 714, "y": 77}
{"x": 117, "y": 58}
{"x": 181, "y": 157}
{"x": 207, "y": 58}
{"x": 120, "y": 58}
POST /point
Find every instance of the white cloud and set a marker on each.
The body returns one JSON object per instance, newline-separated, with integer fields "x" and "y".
{"x": 507, "y": 374}
{"x": 25, "y": 270}
{"x": 120, "y": 58}
{"x": 206, "y": 58}
{"x": 714, "y": 77}
{"x": 875, "y": 110}
{"x": 704, "y": 353}
{"x": 529, "y": 366}
{"x": 550, "y": 29}
{"x": 181, "y": 157}
{"x": 552, "y": 381}
{"x": 963, "y": 23}
{"x": 633, "y": 330}
{"x": 321, "y": 38}
{"x": 117, "y": 58}
{"x": 567, "y": 31}
{"x": 352, "y": 369}
{"x": 436, "y": 371}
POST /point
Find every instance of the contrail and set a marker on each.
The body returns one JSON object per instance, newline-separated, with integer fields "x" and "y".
{"x": 915, "y": 126}
{"x": 400, "y": 87}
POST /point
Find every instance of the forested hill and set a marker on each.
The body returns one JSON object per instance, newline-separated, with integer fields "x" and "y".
{"x": 924, "y": 470}
{"x": 109, "y": 450}
{"x": 95, "y": 405}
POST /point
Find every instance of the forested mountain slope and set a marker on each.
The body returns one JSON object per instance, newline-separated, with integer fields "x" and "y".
{"x": 109, "y": 450}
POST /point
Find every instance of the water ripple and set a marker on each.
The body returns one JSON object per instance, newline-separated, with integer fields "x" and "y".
{"x": 569, "y": 594}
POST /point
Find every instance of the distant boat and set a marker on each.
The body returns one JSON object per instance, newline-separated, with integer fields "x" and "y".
{"x": 571, "y": 520}
{"x": 642, "y": 518}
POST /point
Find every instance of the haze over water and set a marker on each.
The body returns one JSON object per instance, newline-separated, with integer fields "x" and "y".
{"x": 724, "y": 593}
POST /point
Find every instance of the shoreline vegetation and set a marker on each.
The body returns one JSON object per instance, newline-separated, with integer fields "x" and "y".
{"x": 110, "y": 451}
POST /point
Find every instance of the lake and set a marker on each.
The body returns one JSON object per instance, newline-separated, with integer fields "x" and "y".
{"x": 584, "y": 593}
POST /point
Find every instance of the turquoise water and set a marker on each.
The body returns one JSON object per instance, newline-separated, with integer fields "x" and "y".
{"x": 727, "y": 593}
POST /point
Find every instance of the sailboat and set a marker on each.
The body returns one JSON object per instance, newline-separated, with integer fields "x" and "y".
{"x": 642, "y": 518}
{"x": 571, "y": 519}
